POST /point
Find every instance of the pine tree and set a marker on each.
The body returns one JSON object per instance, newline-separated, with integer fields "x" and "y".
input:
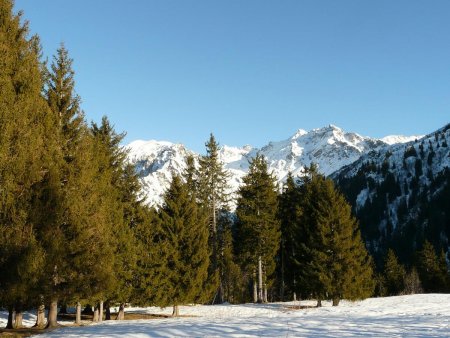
{"x": 432, "y": 269}
{"x": 184, "y": 245}
{"x": 120, "y": 204}
{"x": 335, "y": 261}
{"x": 258, "y": 226}
{"x": 288, "y": 213}
{"x": 214, "y": 198}
{"x": 230, "y": 273}
{"x": 394, "y": 273}
{"x": 23, "y": 121}
{"x": 70, "y": 203}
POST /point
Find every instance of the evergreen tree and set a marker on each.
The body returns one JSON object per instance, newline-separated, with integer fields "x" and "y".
{"x": 332, "y": 257}
{"x": 184, "y": 243}
{"x": 432, "y": 269}
{"x": 120, "y": 204}
{"x": 214, "y": 198}
{"x": 258, "y": 226}
{"x": 23, "y": 121}
{"x": 288, "y": 212}
{"x": 230, "y": 274}
{"x": 394, "y": 273}
{"x": 70, "y": 206}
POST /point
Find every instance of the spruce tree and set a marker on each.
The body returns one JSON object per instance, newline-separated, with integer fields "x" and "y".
{"x": 432, "y": 269}
{"x": 335, "y": 262}
{"x": 70, "y": 202}
{"x": 120, "y": 202}
{"x": 184, "y": 244}
{"x": 258, "y": 226}
{"x": 288, "y": 212}
{"x": 214, "y": 198}
{"x": 394, "y": 273}
{"x": 23, "y": 121}
{"x": 230, "y": 274}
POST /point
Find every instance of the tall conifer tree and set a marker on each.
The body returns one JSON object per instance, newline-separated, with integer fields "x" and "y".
{"x": 23, "y": 122}
{"x": 184, "y": 237}
{"x": 118, "y": 182}
{"x": 258, "y": 226}
{"x": 289, "y": 210}
{"x": 333, "y": 261}
{"x": 214, "y": 198}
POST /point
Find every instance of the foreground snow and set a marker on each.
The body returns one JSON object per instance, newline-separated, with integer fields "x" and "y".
{"x": 403, "y": 316}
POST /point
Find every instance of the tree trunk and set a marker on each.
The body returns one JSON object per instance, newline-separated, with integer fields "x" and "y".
{"x": 100, "y": 311}
{"x": 78, "y": 314}
{"x": 108, "y": 311}
{"x": 255, "y": 291}
{"x": 96, "y": 311}
{"x": 265, "y": 293}
{"x": 282, "y": 271}
{"x": 319, "y": 303}
{"x": 336, "y": 301}
{"x": 260, "y": 279}
{"x": 18, "y": 319}
{"x": 121, "y": 314}
{"x": 52, "y": 314}
{"x": 11, "y": 315}
{"x": 294, "y": 297}
{"x": 40, "y": 317}
{"x": 176, "y": 311}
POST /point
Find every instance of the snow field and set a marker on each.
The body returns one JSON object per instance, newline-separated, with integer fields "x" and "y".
{"x": 403, "y": 316}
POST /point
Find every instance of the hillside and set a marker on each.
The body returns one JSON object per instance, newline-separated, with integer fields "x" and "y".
{"x": 401, "y": 194}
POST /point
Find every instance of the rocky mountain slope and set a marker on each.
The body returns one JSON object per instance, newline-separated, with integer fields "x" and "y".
{"x": 330, "y": 148}
{"x": 401, "y": 194}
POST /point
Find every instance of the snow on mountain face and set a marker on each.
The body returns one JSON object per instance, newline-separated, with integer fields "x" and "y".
{"x": 400, "y": 194}
{"x": 330, "y": 148}
{"x": 394, "y": 139}
{"x": 156, "y": 162}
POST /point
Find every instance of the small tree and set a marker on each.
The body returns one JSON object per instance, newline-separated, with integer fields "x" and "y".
{"x": 432, "y": 269}
{"x": 394, "y": 273}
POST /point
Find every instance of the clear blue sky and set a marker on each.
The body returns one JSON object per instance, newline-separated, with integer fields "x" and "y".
{"x": 254, "y": 71}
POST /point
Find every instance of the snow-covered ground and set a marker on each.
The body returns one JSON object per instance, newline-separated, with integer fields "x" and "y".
{"x": 403, "y": 316}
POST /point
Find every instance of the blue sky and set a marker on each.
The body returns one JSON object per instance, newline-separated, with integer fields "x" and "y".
{"x": 253, "y": 71}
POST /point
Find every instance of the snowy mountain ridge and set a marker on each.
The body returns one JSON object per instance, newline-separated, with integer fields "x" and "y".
{"x": 400, "y": 194}
{"x": 329, "y": 147}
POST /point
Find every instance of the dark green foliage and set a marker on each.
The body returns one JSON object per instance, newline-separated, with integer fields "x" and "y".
{"x": 184, "y": 247}
{"x": 289, "y": 211}
{"x": 418, "y": 167}
{"x": 231, "y": 286}
{"x": 433, "y": 269}
{"x": 333, "y": 261}
{"x": 410, "y": 152}
{"x": 394, "y": 274}
{"x": 119, "y": 210}
{"x": 23, "y": 132}
{"x": 258, "y": 226}
{"x": 212, "y": 192}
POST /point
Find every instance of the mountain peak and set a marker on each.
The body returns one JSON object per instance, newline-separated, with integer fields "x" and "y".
{"x": 329, "y": 147}
{"x": 299, "y": 133}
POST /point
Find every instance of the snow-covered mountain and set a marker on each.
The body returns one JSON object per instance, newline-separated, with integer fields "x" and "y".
{"x": 394, "y": 139}
{"x": 330, "y": 148}
{"x": 401, "y": 194}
